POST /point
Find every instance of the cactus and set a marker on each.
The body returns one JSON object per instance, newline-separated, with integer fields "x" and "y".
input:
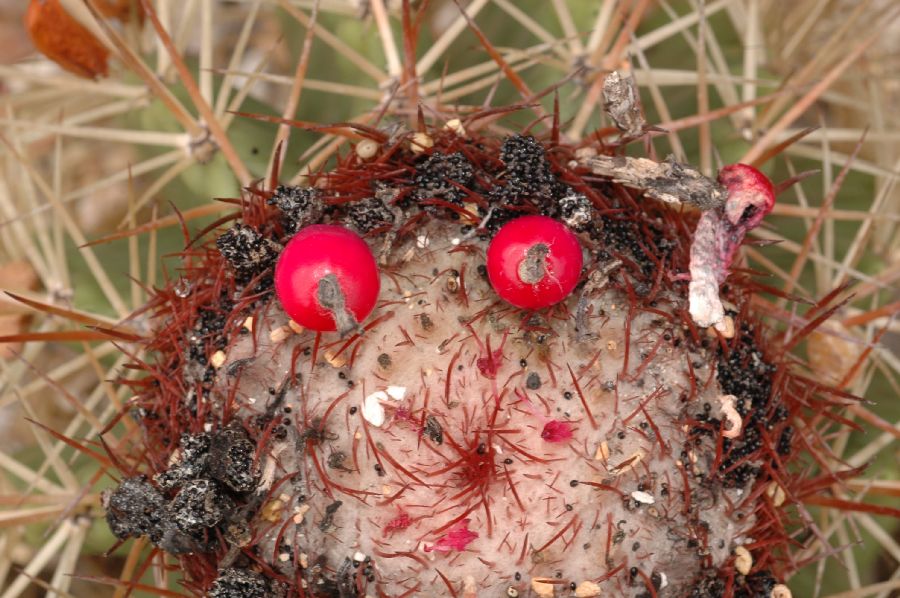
{"x": 663, "y": 430}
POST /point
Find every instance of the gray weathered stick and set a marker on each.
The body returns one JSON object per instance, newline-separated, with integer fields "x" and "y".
{"x": 667, "y": 181}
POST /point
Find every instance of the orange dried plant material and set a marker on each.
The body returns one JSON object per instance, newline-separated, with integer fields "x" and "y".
{"x": 14, "y": 276}
{"x": 120, "y": 9}
{"x": 65, "y": 41}
{"x": 832, "y": 353}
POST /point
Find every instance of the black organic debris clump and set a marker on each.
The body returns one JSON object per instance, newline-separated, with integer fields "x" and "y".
{"x": 240, "y": 583}
{"x": 528, "y": 174}
{"x": 708, "y": 586}
{"x": 231, "y": 455}
{"x": 201, "y": 504}
{"x": 743, "y": 371}
{"x": 248, "y": 252}
{"x": 136, "y": 508}
{"x": 192, "y": 462}
{"x": 300, "y": 206}
{"x": 443, "y": 177}
{"x": 206, "y": 483}
{"x": 576, "y": 210}
{"x": 634, "y": 242}
{"x": 369, "y": 214}
{"x": 758, "y": 585}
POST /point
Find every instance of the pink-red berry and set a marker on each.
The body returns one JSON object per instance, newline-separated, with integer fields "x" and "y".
{"x": 534, "y": 262}
{"x": 750, "y": 195}
{"x": 327, "y": 279}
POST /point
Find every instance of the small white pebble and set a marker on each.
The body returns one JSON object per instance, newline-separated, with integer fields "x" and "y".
{"x": 726, "y": 327}
{"x": 455, "y": 241}
{"x": 304, "y": 560}
{"x": 541, "y": 587}
{"x": 743, "y": 560}
{"x": 776, "y": 493}
{"x": 420, "y": 142}
{"x": 284, "y": 557}
{"x": 396, "y": 392}
{"x": 372, "y": 410}
{"x": 217, "y": 359}
{"x": 279, "y": 334}
{"x": 470, "y": 589}
{"x": 781, "y": 591}
{"x": 663, "y": 580}
{"x": 248, "y": 323}
{"x": 422, "y": 241}
{"x": 359, "y": 557}
{"x": 733, "y": 421}
{"x": 335, "y": 360}
{"x": 455, "y": 125}
{"x": 366, "y": 149}
{"x": 643, "y": 497}
{"x": 297, "y": 328}
{"x": 587, "y": 589}
{"x": 299, "y": 512}
{"x": 271, "y": 511}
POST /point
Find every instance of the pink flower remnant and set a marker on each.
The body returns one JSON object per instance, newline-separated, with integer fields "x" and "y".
{"x": 556, "y": 431}
{"x": 401, "y": 521}
{"x": 489, "y": 364}
{"x": 457, "y": 538}
{"x": 720, "y": 233}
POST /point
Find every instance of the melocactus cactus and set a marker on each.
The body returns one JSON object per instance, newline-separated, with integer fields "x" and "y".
{"x": 450, "y": 443}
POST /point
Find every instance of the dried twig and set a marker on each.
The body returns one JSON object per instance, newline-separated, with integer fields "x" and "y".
{"x": 669, "y": 181}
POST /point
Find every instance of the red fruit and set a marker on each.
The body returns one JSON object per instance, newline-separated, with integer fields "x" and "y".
{"x": 534, "y": 262}
{"x": 327, "y": 279}
{"x": 750, "y": 195}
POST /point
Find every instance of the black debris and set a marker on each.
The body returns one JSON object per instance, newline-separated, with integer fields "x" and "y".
{"x": 239, "y": 583}
{"x": 369, "y": 214}
{"x": 248, "y": 252}
{"x": 201, "y": 504}
{"x": 441, "y": 176}
{"x": 576, "y": 210}
{"x": 192, "y": 462}
{"x": 328, "y": 520}
{"x": 528, "y": 173}
{"x": 231, "y": 455}
{"x": 300, "y": 206}
{"x": 136, "y": 508}
{"x": 434, "y": 430}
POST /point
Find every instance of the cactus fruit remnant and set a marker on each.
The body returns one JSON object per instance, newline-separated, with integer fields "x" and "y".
{"x": 448, "y": 442}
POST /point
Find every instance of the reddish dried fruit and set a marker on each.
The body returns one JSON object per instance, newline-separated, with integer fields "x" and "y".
{"x": 65, "y": 41}
{"x": 327, "y": 279}
{"x": 534, "y": 262}
{"x": 720, "y": 233}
